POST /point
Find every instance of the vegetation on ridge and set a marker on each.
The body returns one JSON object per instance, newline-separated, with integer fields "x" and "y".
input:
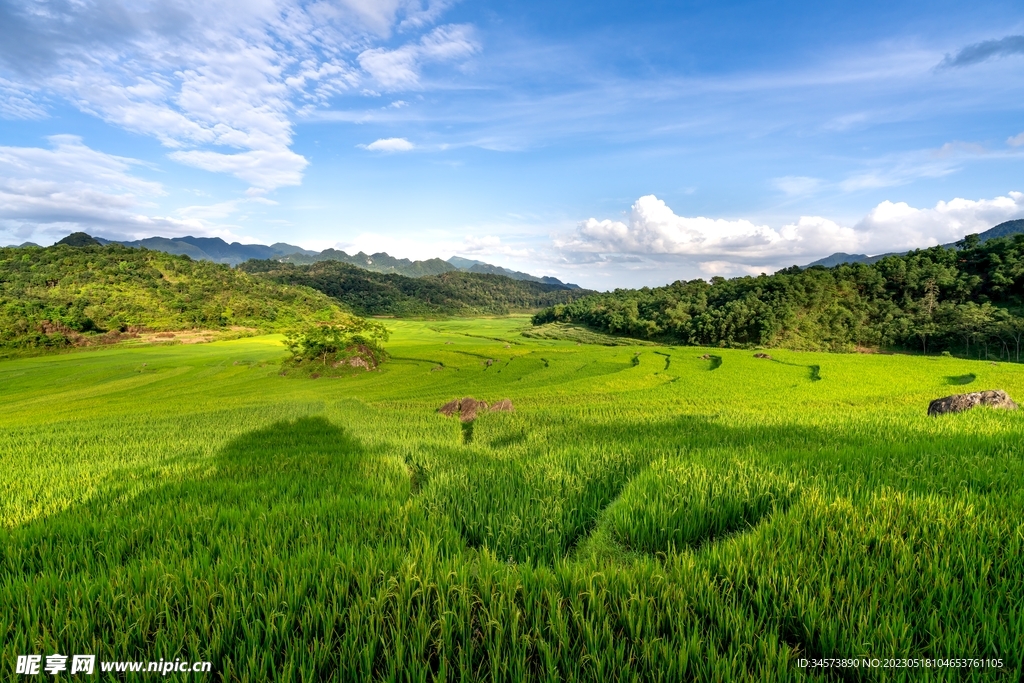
{"x": 451, "y": 293}
{"x": 968, "y": 300}
{"x": 65, "y": 295}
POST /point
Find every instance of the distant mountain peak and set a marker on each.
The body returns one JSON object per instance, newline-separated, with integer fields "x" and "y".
{"x": 474, "y": 266}
{"x": 464, "y": 263}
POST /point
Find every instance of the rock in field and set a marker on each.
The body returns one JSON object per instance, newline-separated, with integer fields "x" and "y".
{"x": 762, "y": 355}
{"x": 503, "y": 406}
{"x": 450, "y": 408}
{"x": 958, "y": 403}
{"x": 358, "y": 362}
{"x": 468, "y": 408}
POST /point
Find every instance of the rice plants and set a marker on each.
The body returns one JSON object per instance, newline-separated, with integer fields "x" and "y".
{"x": 673, "y": 505}
{"x": 630, "y": 521}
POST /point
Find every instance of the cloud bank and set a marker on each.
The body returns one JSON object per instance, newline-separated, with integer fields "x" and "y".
{"x": 654, "y": 231}
{"x": 47, "y": 193}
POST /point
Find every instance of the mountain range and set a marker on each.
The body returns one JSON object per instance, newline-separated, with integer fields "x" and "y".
{"x": 217, "y": 250}
{"x": 839, "y": 258}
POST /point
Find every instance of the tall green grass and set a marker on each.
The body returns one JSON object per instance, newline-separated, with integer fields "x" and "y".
{"x": 650, "y": 517}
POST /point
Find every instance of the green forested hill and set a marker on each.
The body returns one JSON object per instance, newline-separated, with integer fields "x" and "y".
{"x": 967, "y": 300}
{"x": 452, "y": 293}
{"x": 65, "y": 295}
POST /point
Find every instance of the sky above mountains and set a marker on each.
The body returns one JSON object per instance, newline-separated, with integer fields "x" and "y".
{"x": 604, "y": 143}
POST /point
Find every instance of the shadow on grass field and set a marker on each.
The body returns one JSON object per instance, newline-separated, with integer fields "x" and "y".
{"x": 621, "y": 525}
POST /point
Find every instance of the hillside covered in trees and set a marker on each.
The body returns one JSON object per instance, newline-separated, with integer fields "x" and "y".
{"x": 451, "y": 293}
{"x": 967, "y": 300}
{"x": 66, "y": 295}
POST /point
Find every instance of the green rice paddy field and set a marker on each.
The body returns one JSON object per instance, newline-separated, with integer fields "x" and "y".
{"x": 644, "y": 515}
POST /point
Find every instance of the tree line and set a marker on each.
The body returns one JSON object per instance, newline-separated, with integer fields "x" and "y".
{"x": 453, "y": 293}
{"x": 967, "y": 300}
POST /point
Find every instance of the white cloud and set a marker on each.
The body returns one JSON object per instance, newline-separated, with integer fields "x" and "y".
{"x": 729, "y": 269}
{"x": 1016, "y": 140}
{"x": 444, "y": 244}
{"x": 653, "y": 228}
{"x": 400, "y": 69}
{"x": 211, "y": 211}
{"x": 490, "y": 245}
{"x": 47, "y": 193}
{"x": 379, "y": 15}
{"x": 217, "y": 84}
{"x": 382, "y": 15}
{"x": 18, "y": 101}
{"x": 390, "y": 145}
{"x": 904, "y": 168}
{"x": 263, "y": 168}
{"x": 393, "y": 69}
{"x": 795, "y": 186}
{"x": 70, "y": 162}
{"x": 655, "y": 233}
{"x": 899, "y": 226}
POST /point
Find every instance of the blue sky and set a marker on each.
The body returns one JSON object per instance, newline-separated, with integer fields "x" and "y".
{"x": 605, "y": 143}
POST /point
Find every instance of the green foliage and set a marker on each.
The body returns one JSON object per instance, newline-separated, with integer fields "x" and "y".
{"x": 64, "y": 295}
{"x": 326, "y": 342}
{"x": 452, "y": 293}
{"x": 968, "y": 300}
{"x": 628, "y": 522}
{"x": 675, "y": 504}
{"x": 579, "y": 334}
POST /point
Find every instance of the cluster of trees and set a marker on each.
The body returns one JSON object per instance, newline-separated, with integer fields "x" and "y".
{"x": 65, "y": 294}
{"x": 967, "y": 300}
{"x": 452, "y": 293}
{"x": 331, "y": 342}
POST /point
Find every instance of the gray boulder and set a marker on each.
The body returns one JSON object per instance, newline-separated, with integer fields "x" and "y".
{"x": 958, "y": 403}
